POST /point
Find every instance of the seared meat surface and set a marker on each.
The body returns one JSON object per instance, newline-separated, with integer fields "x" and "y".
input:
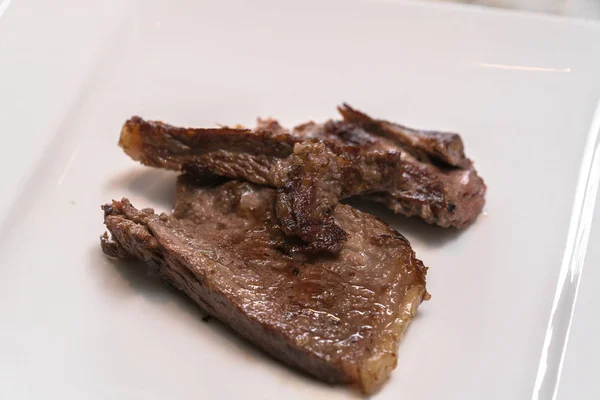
{"x": 339, "y": 317}
{"x": 412, "y": 172}
{"x": 431, "y": 177}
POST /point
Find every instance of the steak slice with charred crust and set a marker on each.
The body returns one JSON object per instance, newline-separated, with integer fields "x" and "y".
{"x": 339, "y": 318}
{"x": 433, "y": 179}
{"x": 412, "y": 172}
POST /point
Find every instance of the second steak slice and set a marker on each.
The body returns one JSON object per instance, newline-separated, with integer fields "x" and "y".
{"x": 339, "y": 318}
{"x": 412, "y": 172}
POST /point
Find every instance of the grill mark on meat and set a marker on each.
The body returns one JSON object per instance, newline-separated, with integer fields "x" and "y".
{"x": 444, "y": 147}
{"x": 339, "y": 318}
{"x": 415, "y": 173}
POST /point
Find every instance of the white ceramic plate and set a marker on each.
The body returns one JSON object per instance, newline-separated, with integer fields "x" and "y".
{"x": 521, "y": 89}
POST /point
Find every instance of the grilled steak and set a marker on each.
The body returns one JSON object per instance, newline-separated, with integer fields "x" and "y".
{"x": 412, "y": 172}
{"x": 339, "y": 318}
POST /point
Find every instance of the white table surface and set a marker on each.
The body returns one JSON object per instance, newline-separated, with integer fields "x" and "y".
{"x": 86, "y": 27}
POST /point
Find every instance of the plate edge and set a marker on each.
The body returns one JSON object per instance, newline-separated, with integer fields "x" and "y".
{"x": 556, "y": 339}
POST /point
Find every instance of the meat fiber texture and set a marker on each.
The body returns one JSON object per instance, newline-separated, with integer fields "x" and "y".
{"x": 338, "y": 318}
{"x": 313, "y": 166}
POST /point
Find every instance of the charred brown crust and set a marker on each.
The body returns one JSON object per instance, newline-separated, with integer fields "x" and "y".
{"x": 222, "y": 249}
{"x": 421, "y": 173}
